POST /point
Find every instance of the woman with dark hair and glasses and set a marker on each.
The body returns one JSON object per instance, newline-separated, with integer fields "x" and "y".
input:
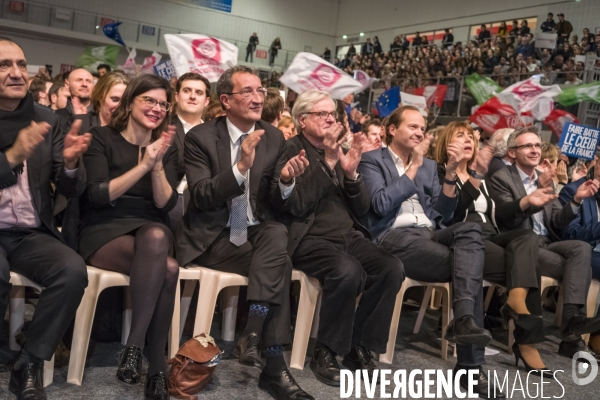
{"x": 132, "y": 175}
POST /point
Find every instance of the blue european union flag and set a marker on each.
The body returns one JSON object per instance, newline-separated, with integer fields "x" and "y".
{"x": 388, "y": 101}
{"x": 112, "y": 32}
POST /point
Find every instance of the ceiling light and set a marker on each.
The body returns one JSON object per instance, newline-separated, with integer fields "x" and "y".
{"x": 345, "y": 37}
{"x": 362, "y": 34}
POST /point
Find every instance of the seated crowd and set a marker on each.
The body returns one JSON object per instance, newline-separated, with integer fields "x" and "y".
{"x": 154, "y": 184}
{"x": 509, "y": 56}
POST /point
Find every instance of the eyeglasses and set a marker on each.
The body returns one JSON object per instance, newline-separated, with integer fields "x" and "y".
{"x": 262, "y": 92}
{"x": 528, "y": 146}
{"x": 324, "y": 114}
{"x": 151, "y": 102}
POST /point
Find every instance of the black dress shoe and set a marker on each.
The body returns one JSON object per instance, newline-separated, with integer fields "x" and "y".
{"x": 580, "y": 325}
{"x": 568, "y": 349}
{"x": 27, "y": 382}
{"x": 360, "y": 358}
{"x": 465, "y": 331}
{"x": 130, "y": 366}
{"x": 247, "y": 350}
{"x": 282, "y": 386}
{"x": 324, "y": 365}
{"x": 156, "y": 387}
{"x": 481, "y": 384}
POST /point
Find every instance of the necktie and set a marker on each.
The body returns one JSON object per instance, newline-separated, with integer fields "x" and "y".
{"x": 238, "y": 222}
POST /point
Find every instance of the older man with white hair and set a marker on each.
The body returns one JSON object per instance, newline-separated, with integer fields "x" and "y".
{"x": 327, "y": 242}
{"x": 501, "y": 157}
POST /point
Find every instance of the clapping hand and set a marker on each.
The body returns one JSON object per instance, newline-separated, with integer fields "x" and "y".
{"x": 548, "y": 174}
{"x": 294, "y": 168}
{"x": 482, "y": 160}
{"x": 585, "y": 190}
{"x": 75, "y": 145}
{"x": 541, "y": 197}
{"x": 349, "y": 161}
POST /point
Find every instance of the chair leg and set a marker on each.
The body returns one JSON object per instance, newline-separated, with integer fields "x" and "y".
{"x": 126, "y": 316}
{"x": 423, "y": 308}
{"x": 446, "y": 308}
{"x": 591, "y": 303}
{"x": 229, "y": 303}
{"x": 314, "y": 331}
{"x": 83, "y": 329}
{"x": 48, "y": 371}
{"x": 174, "y": 332}
{"x": 388, "y": 356}
{"x": 207, "y": 299}
{"x": 309, "y": 298}
{"x": 16, "y": 315}
{"x": 488, "y": 298}
{"x": 186, "y": 300}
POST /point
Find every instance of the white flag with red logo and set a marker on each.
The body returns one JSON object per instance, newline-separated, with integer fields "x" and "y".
{"x": 309, "y": 71}
{"x": 494, "y": 114}
{"x": 150, "y": 62}
{"x": 527, "y": 96}
{"x": 364, "y": 79}
{"x": 557, "y": 120}
{"x": 129, "y": 66}
{"x": 434, "y": 94}
{"x": 204, "y": 55}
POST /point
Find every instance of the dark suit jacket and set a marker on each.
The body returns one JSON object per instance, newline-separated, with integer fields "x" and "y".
{"x": 299, "y": 209}
{"x": 212, "y": 184}
{"x": 66, "y": 113}
{"x": 496, "y": 164}
{"x": 508, "y": 190}
{"x": 585, "y": 226}
{"x": 45, "y": 166}
{"x": 179, "y": 141}
{"x": 388, "y": 191}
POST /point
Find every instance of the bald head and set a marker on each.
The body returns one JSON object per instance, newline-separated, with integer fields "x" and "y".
{"x": 80, "y": 84}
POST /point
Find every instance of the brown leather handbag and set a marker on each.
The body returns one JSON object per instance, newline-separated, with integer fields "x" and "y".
{"x": 193, "y": 366}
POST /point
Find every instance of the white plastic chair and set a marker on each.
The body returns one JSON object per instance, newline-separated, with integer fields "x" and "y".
{"x": 212, "y": 282}
{"x": 98, "y": 280}
{"x": 17, "y": 318}
{"x": 591, "y": 302}
{"x": 444, "y": 288}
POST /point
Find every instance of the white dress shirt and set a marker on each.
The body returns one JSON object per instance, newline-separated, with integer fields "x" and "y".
{"x": 538, "y": 218}
{"x": 411, "y": 212}
{"x": 186, "y": 128}
{"x": 234, "y": 135}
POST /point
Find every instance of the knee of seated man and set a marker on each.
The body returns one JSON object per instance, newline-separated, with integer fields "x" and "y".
{"x": 350, "y": 274}
{"x": 579, "y": 247}
{"x": 393, "y": 269}
{"x": 74, "y": 271}
{"x": 472, "y": 229}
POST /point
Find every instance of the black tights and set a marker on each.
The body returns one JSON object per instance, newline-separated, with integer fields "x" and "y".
{"x": 146, "y": 258}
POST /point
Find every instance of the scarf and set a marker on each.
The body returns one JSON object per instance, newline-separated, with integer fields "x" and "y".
{"x": 13, "y": 121}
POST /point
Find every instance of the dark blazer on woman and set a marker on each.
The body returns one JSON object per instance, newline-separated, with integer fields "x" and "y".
{"x": 467, "y": 194}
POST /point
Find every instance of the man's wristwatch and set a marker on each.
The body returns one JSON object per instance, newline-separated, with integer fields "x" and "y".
{"x": 475, "y": 175}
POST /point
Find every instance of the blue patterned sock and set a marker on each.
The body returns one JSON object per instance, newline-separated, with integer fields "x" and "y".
{"x": 275, "y": 361}
{"x": 256, "y": 318}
